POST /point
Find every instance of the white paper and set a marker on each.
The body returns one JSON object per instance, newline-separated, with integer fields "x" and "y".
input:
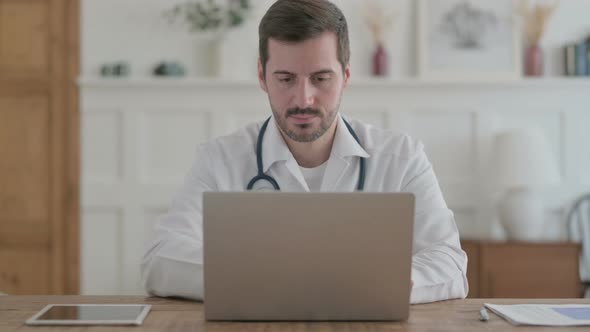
{"x": 543, "y": 314}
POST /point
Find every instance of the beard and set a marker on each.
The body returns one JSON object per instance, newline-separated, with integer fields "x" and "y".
{"x": 306, "y": 132}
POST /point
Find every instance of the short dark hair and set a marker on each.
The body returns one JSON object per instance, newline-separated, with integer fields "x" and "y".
{"x": 299, "y": 20}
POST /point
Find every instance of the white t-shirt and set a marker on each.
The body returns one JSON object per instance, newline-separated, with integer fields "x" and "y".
{"x": 314, "y": 176}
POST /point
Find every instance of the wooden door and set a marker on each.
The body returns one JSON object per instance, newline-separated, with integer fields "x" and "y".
{"x": 39, "y": 143}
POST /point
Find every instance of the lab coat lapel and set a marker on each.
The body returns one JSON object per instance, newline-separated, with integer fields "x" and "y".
{"x": 293, "y": 167}
{"x": 335, "y": 170}
{"x": 345, "y": 151}
{"x": 275, "y": 150}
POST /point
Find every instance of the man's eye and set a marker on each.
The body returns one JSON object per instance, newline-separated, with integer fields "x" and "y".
{"x": 285, "y": 79}
{"x": 322, "y": 78}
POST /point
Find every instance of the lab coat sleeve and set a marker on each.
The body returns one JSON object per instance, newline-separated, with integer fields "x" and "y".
{"x": 439, "y": 265}
{"x": 173, "y": 262}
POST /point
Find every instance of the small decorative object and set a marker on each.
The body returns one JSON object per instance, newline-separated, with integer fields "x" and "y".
{"x": 117, "y": 69}
{"x": 535, "y": 19}
{"x": 522, "y": 164}
{"x": 378, "y": 21}
{"x": 582, "y": 59}
{"x": 577, "y": 58}
{"x": 169, "y": 69}
{"x": 569, "y": 58}
{"x": 462, "y": 40}
{"x": 211, "y": 19}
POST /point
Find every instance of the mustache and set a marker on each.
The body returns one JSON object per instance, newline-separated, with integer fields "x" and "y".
{"x": 303, "y": 111}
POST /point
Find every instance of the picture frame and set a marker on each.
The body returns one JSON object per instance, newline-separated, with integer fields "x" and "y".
{"x": 468, "y": 40}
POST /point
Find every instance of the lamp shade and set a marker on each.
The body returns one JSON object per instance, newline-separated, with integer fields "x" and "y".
{"x": 523, "y": 158}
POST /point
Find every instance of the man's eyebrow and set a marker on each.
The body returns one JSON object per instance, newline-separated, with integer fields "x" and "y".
{"x": 319, "y": 72}
{"x": 282, "y": 72}
{"x": 323, "y": 71}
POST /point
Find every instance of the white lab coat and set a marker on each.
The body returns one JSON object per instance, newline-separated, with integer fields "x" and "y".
{"x": 173, "y": 262}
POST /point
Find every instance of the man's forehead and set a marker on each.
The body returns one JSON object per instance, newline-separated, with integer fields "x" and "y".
{"x": 310, "y": 55}
{"x": 326, "y": 41}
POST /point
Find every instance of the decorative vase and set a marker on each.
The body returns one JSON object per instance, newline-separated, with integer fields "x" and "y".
{"x": 534, "y": 61}
{"x": 215, "y": 60}
{"x": 380, "y": 61}
{"x": 210, "y": 55}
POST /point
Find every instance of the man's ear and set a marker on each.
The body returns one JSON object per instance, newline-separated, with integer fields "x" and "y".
{"x": 347, "y": 75}
{"x": 261, "y": 78}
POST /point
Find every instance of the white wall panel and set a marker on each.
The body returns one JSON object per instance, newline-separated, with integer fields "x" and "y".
{"x": 100, "y": 241}
{"x": 449, "y": 141}
{"x": 137, "y": 231}
{"x": 236, "y": 120}
{"x": 375, "y": 117}
{"x": 577, "y": 147}
{"x": 101, "y": 134}
{"x": 167, "y": 143}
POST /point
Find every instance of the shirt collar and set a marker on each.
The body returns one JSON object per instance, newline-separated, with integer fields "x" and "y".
{"x": 274, "y": 148}
{"x": 344, "y": 143}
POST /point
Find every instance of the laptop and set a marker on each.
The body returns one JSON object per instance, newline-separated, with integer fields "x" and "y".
{"x": 274, "y": 256}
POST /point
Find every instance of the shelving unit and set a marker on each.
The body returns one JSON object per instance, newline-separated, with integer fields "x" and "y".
{"x": 549, "y": 82}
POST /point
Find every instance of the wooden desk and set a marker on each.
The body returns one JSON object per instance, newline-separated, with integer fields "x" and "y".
{"x": 179, "y": 315}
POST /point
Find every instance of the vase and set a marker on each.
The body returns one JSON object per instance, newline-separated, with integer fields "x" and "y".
{"x": 534, "y": 61}
{"x": 210, "y": 55}
{"x": 380, "y": 61}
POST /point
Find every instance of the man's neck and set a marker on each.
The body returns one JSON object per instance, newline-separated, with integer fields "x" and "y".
{"x": 313, "y": 154}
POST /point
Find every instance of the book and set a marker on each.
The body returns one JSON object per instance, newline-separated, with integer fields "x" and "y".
{"x": 581, "y": 59}
{"x": 570, "y": 60}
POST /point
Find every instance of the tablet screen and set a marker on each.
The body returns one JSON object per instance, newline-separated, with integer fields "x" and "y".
{"x": 92, "y": 314}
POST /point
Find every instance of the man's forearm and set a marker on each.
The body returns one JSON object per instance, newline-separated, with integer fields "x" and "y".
{"x": 438, "y": 274}
{"x": 166, "y": 273}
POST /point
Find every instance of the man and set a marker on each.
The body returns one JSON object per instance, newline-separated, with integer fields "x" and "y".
{"x": 304, "y": 68}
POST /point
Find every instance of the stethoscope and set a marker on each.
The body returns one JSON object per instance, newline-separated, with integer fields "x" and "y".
{"x": 261, "y": 176}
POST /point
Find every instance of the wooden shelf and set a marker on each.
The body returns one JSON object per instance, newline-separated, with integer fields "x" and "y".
{"x": 365, "y": 82}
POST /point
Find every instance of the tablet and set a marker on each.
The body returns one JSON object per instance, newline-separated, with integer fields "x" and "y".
{"x": 90, "y": 314}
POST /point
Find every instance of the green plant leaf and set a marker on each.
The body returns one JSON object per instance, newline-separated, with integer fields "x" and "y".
{"x": 201, "y": 15}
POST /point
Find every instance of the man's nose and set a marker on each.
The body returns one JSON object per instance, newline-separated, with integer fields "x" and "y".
{"x": 304, "y": 94}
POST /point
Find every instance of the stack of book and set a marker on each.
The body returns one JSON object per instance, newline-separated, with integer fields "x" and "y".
{"x": 577, "y": 58}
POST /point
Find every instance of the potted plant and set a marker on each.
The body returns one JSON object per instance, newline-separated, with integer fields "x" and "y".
{"x": 211, "y": 19}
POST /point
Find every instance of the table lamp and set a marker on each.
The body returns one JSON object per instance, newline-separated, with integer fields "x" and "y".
{"x": 522, "y": 164}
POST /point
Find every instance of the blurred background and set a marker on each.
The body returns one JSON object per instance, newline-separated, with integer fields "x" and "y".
{"x": 103, "y": 102}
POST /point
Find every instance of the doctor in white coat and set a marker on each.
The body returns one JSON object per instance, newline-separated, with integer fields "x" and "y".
{"x": 304, "y": 68}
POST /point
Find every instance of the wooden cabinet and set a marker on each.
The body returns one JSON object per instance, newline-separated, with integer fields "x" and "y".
{"x": 523, "y": 270}
{"x": 39, "y": 147}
